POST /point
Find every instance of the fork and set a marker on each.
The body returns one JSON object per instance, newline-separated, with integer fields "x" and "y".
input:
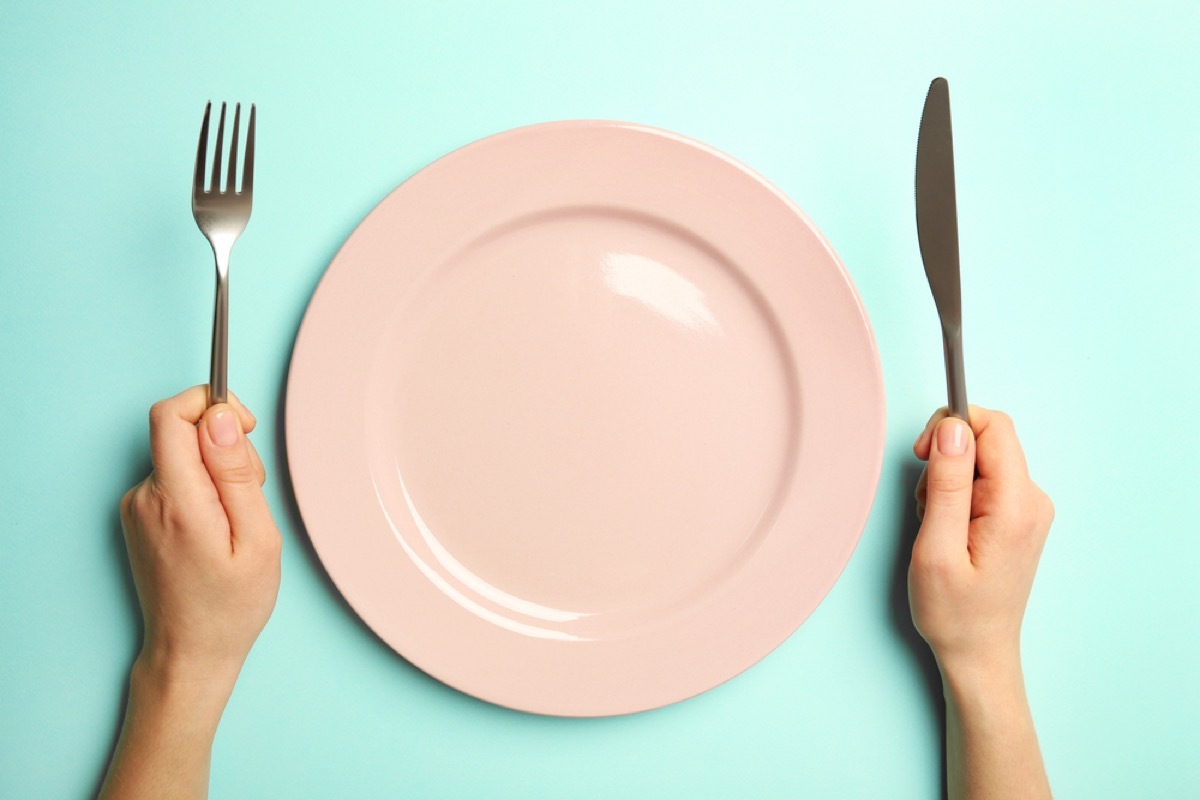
{"x": 221, "y": 215}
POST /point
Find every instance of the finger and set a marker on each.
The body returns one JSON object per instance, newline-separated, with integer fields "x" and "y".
{"x": 173, "y": 449}
{"x": 999, "y": 451}
{"x": 921, "y": 446}
{"x": 248, "y": 420}
{"x": 947, "y": 505}
{"x": 227, "y": 458}
{"x": 190, "y": 404}
{"x": 258, "y": 463}
{"x": 126, "y": 508}
{"x": 922, "y": 486}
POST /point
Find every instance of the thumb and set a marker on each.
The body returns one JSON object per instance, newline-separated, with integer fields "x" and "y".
{"x": 950, "y": 478}
{"x": 227, "y": 457}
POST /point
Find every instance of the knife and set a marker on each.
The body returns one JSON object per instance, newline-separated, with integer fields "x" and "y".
{"x": 937, "y": 233}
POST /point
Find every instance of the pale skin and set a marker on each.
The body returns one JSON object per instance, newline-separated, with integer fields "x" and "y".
{"x": 204, "y": 552}
{"x": 983, "y": 525}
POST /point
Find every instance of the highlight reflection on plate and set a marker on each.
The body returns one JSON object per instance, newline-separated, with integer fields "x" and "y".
{"x": 591, "y": 370}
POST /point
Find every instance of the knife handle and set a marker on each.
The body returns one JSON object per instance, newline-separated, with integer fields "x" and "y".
{"x": 956, "y": 378}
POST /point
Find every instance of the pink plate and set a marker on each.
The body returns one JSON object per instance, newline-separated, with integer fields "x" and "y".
{"x": 585, "y": 418}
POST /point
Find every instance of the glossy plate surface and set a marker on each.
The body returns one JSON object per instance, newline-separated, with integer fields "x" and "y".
{"x": 585, "y": 418}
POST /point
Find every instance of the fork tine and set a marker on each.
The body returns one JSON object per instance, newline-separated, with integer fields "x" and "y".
{"x": 248, "y": 167}
{"x": 231, "y": 181}
{"x": 216, "y": 170}
{"x": 201, "y": 149}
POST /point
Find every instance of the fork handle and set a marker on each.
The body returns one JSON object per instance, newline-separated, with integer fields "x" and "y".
{"x": 218, "y": 373}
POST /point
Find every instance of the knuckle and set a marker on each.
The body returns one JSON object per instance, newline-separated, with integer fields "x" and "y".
{"x": 159, "y": 412}
{"x": 238, "y": 471}
{"x": 173, "y": 516}
{"x": 126, "y": 504}
{"x": 143, "y": 504}
{"x": 1027, "y": 522}
{"x": 948, "y": 486}
{"x": 931, "y": 564}
{"x": 1001, "y": 425}
{"x": 921, "y": 562}
{"x": 273, "y": 545}
{"x": 1028, "y": 517}
{"x": 1045, "y": 508}
{"x": 262, "y": 549}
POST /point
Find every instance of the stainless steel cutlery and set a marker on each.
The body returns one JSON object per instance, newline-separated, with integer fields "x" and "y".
{"x": 221, "y": 214}
{"x": 937, "y": 233}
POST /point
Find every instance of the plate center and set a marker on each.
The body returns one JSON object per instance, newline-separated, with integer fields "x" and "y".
{"x": 585, "y": 414}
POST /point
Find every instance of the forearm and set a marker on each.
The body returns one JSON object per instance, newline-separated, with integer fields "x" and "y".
{"x": 166, "y": 739}
{"x": 991, "y": 745}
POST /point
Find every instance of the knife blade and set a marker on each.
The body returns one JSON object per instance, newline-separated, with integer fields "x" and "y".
{"x": 937, "y": 233}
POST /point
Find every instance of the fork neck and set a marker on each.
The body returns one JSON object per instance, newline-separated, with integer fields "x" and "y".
{"x": 222, "y": 246}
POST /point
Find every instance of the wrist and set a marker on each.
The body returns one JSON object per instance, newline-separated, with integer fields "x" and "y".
{"x": 983, "y": 678}
{"x": 167, "y": 662}
{"x": 170, "y": 723}
{"x": 171, "y": 689}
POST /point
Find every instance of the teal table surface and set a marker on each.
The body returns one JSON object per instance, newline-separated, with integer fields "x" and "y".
{"x": 1077, "y": 133}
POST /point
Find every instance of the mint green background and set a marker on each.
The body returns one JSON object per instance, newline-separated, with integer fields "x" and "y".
{"x": 1078, "y": 141}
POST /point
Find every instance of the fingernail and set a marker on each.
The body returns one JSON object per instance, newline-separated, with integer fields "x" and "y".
{"x": 222, "y": 429}
{"x": 952, "y": 437}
